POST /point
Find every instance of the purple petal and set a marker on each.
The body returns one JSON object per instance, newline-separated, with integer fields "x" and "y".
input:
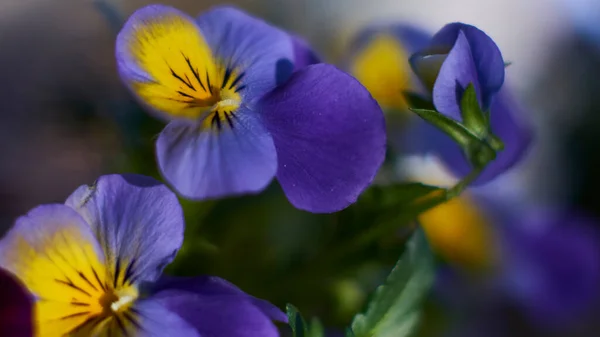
{"x": 304, "y": 55}
{"x": 330, "y": 137}
{"x": 138, "y": 222}
{"x": 488, "y": 59}
{"x": 211, "y": 163}
{"x": 16, "y": 307}
{"x": 249, "y": 44}
{"x": 457, "y": 71}
{"x": 553, "y": 266}
{"x": 155, "y": 320}
{"x": 217, "y": 308}
{"x": 213, "y": 286}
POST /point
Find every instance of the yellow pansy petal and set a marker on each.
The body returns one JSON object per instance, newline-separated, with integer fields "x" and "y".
{"x": 459, "y": 232}
{"x": 382, "y": 67}
{"x": 165, "y": 59}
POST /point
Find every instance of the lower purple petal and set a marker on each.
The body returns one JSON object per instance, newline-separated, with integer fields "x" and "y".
{"x": 209, "y": 163}
{"x": 212, "y": 286}
{"x": 217, "y": 308}
{"x": 16, "y": 308}
{"x": 155, "y": 320}
{"x": 330, "y": 137}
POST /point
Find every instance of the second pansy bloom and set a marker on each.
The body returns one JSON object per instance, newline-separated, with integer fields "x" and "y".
{"x": 243, "y": 108}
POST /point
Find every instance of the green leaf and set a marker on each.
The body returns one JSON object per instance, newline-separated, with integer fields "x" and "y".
{"x": 416, "y": 101}
{"x": 299, "y": 326}
{"x": 395, "y": 307}
{"x": 454, "y": 129}
{"x": 477, "y": 150}
{"x": 473, "y": 118}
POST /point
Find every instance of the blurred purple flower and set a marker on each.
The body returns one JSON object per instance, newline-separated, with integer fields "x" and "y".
{"x": 244, "y": 105}
{"x": 456, "y": 56}
{"x": 15, "y": 308}
{"x": 551, "y": 265}
{"x": 87, "y": 260}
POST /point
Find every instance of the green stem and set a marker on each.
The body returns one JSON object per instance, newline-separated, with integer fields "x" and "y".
{"x": 457, "y": 189}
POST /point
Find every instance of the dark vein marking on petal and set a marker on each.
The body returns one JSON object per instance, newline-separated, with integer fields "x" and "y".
{"x": 237, "y": 79}
{"x": 70, "y": 284}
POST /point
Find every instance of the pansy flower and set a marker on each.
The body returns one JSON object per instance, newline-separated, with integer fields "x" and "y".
{"x": 244, "y": 106}
{"x": 456, "y": 56}
{"x": 93, "y": 265}
{"x": 15, "y": 307}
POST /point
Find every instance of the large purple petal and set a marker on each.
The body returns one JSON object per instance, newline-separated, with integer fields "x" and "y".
{"x": 330, "y": 137}
{"x": 16, "y": 307}
{"x": 137, "y": 220}
{"x": 216, "y": 308}
{"x": 488, "y": 59}
{"x": 205, "y": 163}
{"x": 248, "y": 44}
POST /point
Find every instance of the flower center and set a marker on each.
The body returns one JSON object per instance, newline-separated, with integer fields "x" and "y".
{"x": 217, "y": 92}
{"x": 116, "y": 301}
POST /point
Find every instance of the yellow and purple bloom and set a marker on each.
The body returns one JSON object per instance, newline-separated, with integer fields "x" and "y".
{"x": 15, "y": 307}
{"x": 245, "y": 104}
{"x": 94, "y": 268}
{"x": 456, "y": 56}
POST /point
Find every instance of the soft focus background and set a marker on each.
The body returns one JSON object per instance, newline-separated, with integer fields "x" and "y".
{"x": 66, "y": 119}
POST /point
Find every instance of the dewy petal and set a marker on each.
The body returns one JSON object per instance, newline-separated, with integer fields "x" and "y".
{"x": 55, "y": 254}
{"x": 456, "y": 73}
{"x": 138, "y": 221}
{"x": 486, "y": 55}
{"x": 218, "y": 309}
{"x": 208, "y": 163}
{"x": 164, "y": 59}
{"x": 330, "y": 137}
{"x": 16, "y": 307}
{"x": 249, "y": 45}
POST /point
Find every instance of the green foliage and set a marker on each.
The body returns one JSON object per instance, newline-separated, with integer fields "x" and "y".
{"x": 300, "y": 328}
{"x": 473, "y": 118}
{"x": 473, "y": 133}
{"x": 395, "y": 307}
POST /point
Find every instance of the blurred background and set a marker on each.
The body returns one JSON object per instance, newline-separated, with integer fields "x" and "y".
{"x": 67, "y": 119}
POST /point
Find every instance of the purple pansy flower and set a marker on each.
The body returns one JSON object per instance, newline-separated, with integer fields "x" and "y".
{"x": 456, "y": 56}
{"x": 244, "y": 105}
{"x": 551, "y": 265}
{"x": 15, "y": 307}
{"x": 94, "y": 267}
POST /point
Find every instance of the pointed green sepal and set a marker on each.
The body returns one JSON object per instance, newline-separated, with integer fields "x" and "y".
{"x": 472, "y": 117}
{"x": 299, "y": 326}
{"x": 395, "y": 308}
